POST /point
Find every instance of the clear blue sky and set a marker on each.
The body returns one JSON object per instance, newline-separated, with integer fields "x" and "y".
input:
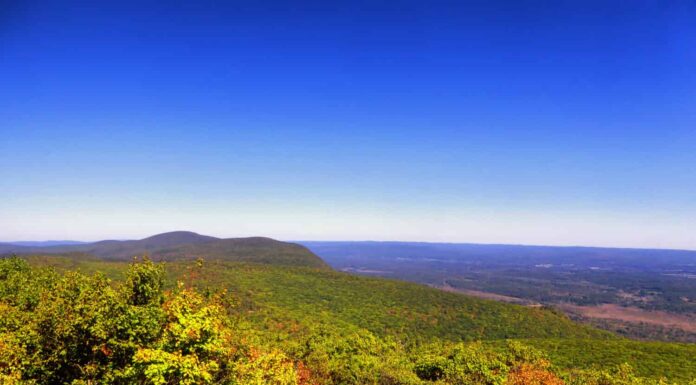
{"x": 558, "y": 122}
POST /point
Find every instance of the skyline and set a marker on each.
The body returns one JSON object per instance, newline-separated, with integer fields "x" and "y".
{"x": 478, "y": 122}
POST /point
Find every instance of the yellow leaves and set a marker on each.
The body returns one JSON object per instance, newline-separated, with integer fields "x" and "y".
{"x": 11, "y": 353}
{"x": 160, "y": 367}
{"x": 196, "y": 348}
{"x": 193, "y": 326}
{"x": 266, "y": 368}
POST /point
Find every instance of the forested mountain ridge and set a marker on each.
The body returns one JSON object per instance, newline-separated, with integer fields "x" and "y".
{"x": 183, "y": 245}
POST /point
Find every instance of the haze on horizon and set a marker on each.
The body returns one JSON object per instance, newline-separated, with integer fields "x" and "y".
{"x": 482, "y": 122}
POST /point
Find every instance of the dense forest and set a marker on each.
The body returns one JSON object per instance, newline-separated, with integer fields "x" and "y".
{"x": 81, "y": 321}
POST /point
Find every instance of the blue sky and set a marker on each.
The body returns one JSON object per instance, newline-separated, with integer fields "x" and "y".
{"x": 524, "y": 122}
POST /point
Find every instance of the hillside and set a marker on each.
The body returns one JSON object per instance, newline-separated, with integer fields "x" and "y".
{"x": 285, "y": 306}
{"x": 644, "y": 294}
{"x": 183, "y": 245}
{"x": 339, "y": 328}
{"x": 383, "y": 306}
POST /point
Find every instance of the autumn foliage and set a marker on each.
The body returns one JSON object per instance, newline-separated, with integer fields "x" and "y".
{"x": 81, "y": 329}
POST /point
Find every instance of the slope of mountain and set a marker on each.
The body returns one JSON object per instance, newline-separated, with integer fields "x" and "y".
{"x": 184, "y": 245}
{"x": 289, "y": 305}
{"x": 639, "y": 293}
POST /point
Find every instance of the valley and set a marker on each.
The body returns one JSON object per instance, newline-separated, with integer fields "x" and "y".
{"x": 642, "y": 294}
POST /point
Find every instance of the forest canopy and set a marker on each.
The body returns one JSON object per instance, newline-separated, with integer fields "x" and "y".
{"x": 68, "y": 327}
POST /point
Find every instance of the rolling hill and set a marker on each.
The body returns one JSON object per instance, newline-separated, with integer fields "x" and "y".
{"x": 183, "y": 245}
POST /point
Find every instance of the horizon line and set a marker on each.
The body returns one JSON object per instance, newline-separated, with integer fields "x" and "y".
{"x": 364, "y": 241}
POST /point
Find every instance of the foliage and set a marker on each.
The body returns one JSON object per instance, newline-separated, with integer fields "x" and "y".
{"x": 86, "y": 330}
{"x": 234, "y": 323}
{"x": 144, "y": 282}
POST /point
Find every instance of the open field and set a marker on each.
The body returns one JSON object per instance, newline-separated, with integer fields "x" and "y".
{"x": 633, "y": 314}
{"x": 487, "y": 295}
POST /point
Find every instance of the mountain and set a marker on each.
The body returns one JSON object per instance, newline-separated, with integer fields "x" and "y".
{"x": 183, "y": 245}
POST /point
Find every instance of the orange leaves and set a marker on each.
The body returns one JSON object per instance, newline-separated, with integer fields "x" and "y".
{"x": 105, "y": 350}
{"x": 527, "y": 374}
{"x": 304, "y": 375}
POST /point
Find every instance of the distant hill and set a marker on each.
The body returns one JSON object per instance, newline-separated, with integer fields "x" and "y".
{"x": 345, "y": 253}
{"x": 45, "y": 243}
{"x": 183, "y": 245}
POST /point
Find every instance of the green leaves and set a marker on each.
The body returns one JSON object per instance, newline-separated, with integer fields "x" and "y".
{"x": 190, "y": 348}
{"x": 144, "y": 282}
{"x": 79, "y": 329}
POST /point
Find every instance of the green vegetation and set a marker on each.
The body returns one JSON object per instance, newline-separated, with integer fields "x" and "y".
{"x": 385, "y": 307}
{"x": 654, "y": 291}
{"x": 243, "y": 323}
{"x": 79, "y": 329}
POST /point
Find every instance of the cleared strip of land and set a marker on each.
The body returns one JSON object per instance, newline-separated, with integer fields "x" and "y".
{"x": 487, "y": 295}
{"x": 633, "y": 314}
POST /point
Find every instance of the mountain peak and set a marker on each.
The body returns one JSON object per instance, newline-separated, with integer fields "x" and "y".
{"x": 178, "y": 237}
